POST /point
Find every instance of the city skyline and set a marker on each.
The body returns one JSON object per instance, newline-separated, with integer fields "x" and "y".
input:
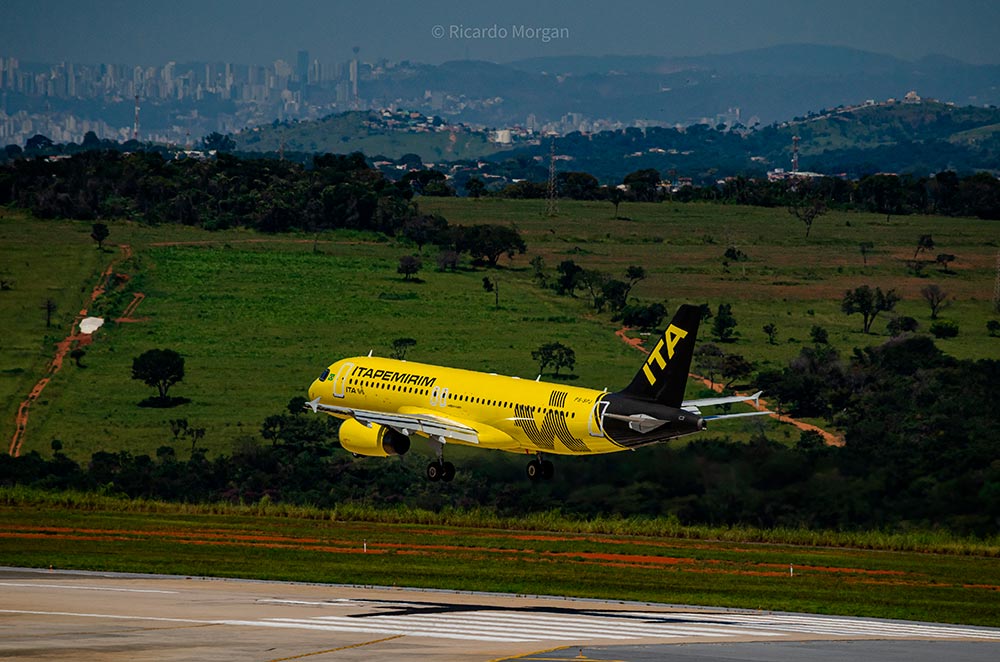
{"x": 261, "y": 31}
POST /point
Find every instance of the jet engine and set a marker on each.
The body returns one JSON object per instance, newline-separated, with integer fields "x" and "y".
{"x": 377, "y": 440}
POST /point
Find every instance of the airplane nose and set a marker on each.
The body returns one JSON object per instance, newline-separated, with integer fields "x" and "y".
{"x": 314, "y": 390}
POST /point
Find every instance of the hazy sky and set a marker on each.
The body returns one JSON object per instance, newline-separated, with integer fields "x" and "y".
{"x": 260, "y": 31}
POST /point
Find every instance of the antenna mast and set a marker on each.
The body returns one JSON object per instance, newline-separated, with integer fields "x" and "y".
{"x": 795, "y": 153}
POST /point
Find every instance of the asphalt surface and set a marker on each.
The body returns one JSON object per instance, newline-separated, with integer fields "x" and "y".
{"x": 52, "y": 615}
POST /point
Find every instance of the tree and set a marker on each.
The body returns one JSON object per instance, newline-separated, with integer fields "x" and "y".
{"x": 924, "y": 243}
{"x": 493, "y": 285}
{"x": 944, "y": 259}
{"x": 866, "y": 248}
{"x": 643, "y": 184}
{"x": 634, "y": 273}
{"x": 709, "y": 359}
{"x": 489, "y": 242}
{"x": 881, "y": 193}
{"x": 901, "y": 324}
{"x": 594, "y": 282}
{"x": 734, "y": 367}
{"x": 218, "y": 142}
{"x": 993, "y": 327}
{"x": 49, "y": 306}
{"x": 569, "y": 277}
{"x": 935, "y": 297}
{"x": 161, "y": 368}
{"x": 38, "y": 142}
{"x": 409, "y": 265}
{"x": 424, "y": 229}
{"x": 77, "y": 355}
{"x": 538, "y": 268}
{"x": 475, "y": 187}
{"x": 555, "y": 354}
{"x": 447, "y": 260}
{"x": 944, "y": 329}
{"x": 724, "y": 325}
{"x": 806, "y": 207}
{"x": 90, "y": 141}
{"x": 99, "y": 232}
{"x": 819, "y": 335}
{"x": 616, "y": 196}
{"x": 771, "y": 330}
{"x": 869, "y": 303}
{"x": 644, "y": 317}
{"x": 578, "y": 185}
{"x": 400, "y": 346}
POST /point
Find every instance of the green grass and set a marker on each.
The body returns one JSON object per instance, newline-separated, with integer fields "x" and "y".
{"x": 789, "y": 280}
{"x": 651, "y": 560}
{"x": 42, "y": 260}
{"x": 258, "y": 317}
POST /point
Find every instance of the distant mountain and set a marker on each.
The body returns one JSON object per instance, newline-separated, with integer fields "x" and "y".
{"x": 768, "y": 84}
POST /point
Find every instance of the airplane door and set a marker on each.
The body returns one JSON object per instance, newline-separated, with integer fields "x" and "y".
{"x": 595, "y": 422}
{"x": 340, "y": 380}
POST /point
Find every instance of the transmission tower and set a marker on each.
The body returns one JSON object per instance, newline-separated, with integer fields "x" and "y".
{"x": 552, "y": 207}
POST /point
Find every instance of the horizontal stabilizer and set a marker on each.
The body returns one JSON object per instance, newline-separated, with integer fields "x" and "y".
{"x": 724, "y": 400}
{"x": 718, "y": 417}
{"x": 641, "y": 423}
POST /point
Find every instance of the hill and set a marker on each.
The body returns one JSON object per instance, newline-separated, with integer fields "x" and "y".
{"x": 912, "y": 136}
{"x": 373, "y": 133}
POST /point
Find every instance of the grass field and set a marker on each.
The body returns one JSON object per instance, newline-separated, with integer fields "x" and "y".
{"x": 270, "y": 543}
{"x": 257, "y": 317}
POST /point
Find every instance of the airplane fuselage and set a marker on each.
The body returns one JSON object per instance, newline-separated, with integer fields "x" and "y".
{"x": 507, "y": 413}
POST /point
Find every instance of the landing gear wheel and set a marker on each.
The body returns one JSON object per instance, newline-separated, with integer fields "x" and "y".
{"x": 534, "y": 470}
{"x": 447, "y": 471}
{"x": 547, "y": 470}
{"x": 434, "y": 471}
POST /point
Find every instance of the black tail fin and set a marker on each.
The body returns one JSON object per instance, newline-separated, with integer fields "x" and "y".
{"x": 663, "y": 376}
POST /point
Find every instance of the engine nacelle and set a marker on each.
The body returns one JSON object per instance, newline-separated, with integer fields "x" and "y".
{"x": 376, "y": 441}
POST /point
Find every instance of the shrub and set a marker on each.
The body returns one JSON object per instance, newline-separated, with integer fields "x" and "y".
{"x": 944, "y": 329}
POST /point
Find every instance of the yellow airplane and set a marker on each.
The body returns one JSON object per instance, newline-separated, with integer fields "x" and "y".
{"x": 386, "y": 402}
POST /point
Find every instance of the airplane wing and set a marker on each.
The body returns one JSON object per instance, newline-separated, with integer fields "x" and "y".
{"x": 438, "y": 427}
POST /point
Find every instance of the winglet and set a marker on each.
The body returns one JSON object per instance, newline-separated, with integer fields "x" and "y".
{"x": 314, "y": 405}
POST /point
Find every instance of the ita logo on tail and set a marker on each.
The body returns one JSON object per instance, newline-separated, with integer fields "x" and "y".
{"x": 668, "y": 342}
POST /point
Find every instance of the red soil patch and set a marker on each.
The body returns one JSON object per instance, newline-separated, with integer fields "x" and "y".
{"x": 130, "y": 309}
{"x": 64, "y": 346}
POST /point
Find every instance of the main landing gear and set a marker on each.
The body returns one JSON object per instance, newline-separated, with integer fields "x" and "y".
{"x": 441, "y": 470}
{"x": 540, "y": 469}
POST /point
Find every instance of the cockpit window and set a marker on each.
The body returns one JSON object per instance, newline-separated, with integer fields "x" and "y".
{"x": 326, "y": 373}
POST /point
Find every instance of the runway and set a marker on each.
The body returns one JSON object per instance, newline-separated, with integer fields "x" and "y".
{"x": 48, "y": 615}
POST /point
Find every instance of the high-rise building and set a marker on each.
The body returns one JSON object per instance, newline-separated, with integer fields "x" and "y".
{"x": 302, "y": 68}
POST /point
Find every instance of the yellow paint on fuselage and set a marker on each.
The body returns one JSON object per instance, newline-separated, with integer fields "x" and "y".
{"x": 510, "y": 414}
